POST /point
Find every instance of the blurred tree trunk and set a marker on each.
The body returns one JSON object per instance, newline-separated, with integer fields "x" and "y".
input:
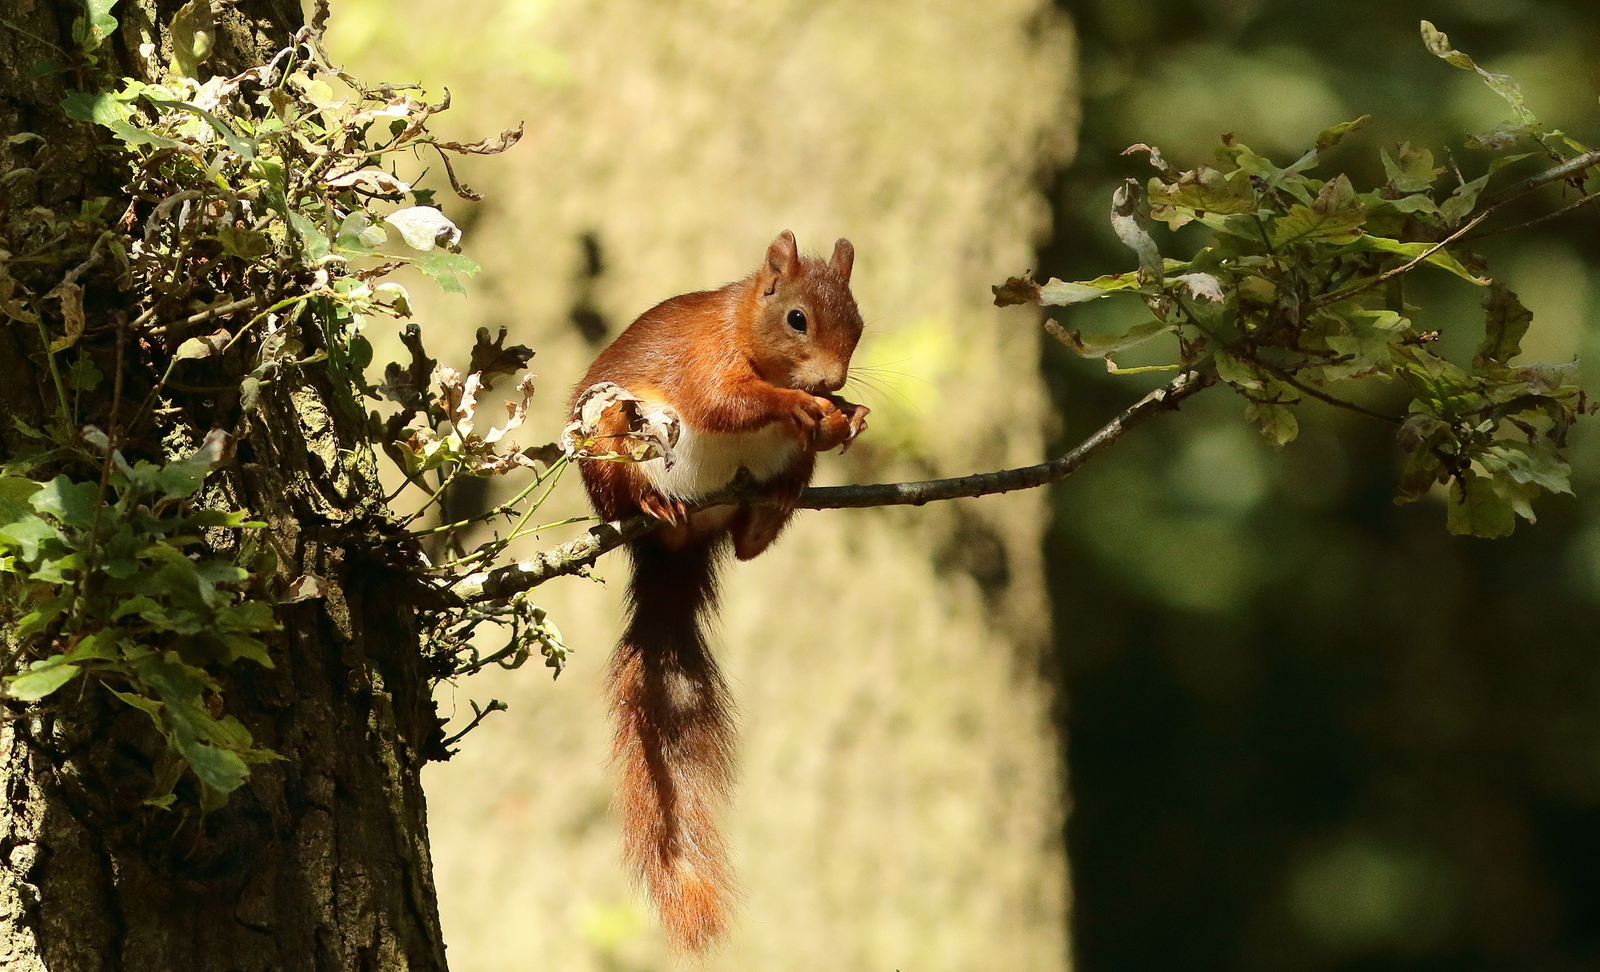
{"x": 321, "y": 860}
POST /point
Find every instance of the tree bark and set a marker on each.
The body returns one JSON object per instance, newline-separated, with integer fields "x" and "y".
{"x": 320, "y": 861}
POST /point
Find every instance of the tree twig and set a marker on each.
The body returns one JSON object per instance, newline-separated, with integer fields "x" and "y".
{"x": 495, "y": 705}
{"x": 1388, "y": 275}
{"x": 221, "y": 310}
{"x": 1565, "y": 170}
{"x": 1322, "y": 396}
{"x": 575, "y": 555}
{"x": 1532, "y": 222}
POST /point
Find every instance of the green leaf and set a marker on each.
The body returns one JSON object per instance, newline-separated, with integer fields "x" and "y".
{"x": 244, "y": 646}
{"x": 148, "y": 706}
{"x": 59, "y": 570}
{"x": 1440, "y": 257}
{"x": 184, "y": 477}
{"x": 83, "y": 375}
{"x": 90, "y": 31}
{"x": 1204, "y": 190}
{"x": 1060, "y": 293}
{"x": 220, "y": 769}
{"x": 243, "y": 147}
{"x": 1519, "y": 496}
{"x": 27, "y": 535}
{"x": 1502, "y": 136}
{"x": 1439, "y": 45}
{"x": 179, "y": 686}
{"x": 71, "y": 503}
{"x": 212, "y": 800}
{"x": 1335, "y": 217}
{"x": 229, "y": 733}
{"x": 215, "y": 518}
{"x": 174, "y": 681}
{"x": 1329, "y": 137}
{"x": 1538, "y": 465}
{"x": 247, "y": 615}
{"x": 146, "y": 608}
{"x": 226, "y": 572}
{"x": 1477, "y": 509}
{"x": 247, "y": 244}
{"x": 169, "y": 770}
{"x": 1420, "y": 435}
{"x": 1417, "y": 203}
{"x": 192, "y": 34}
{"x": 196, "y": 348}
{"x": 273, "y": 173}
{"x": 1277, "y": 424}
{"x": 1463, "y": 200}
{"x": 316, "y": 245}
{"x": 100, "y": 645}
{"x": 1362, "y": 342}
{"x": 1505, "y": 323}
{"x": 40, "y": 617}
{"x": 42, "y": 678}
{"x": 360, "y": 353}
{"x": 443, "y": 267}
{"x": 1239, "y": 374}
{"x": 1093, "y": 347}
{"x": 1441, "y": 386}
{"x": 104, "y": 109}
{"x": 46, "y": 67}
{"x": 358, "y": 233}
{"x": 99, "y": 12}
{"x": 25, "y": 428}
{"x": 14, "y": 494}
{"x": 1412, "y": 171}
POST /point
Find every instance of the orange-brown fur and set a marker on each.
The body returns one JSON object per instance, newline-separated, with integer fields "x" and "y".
{"x": 736, "y": 371}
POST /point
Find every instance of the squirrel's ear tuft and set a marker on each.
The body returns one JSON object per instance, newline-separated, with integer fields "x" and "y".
{"x": 783, "y": 259}
{"x": 844, "y": 257}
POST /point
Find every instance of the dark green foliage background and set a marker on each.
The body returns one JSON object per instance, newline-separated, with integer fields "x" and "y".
{"x": 1309, "y": 729}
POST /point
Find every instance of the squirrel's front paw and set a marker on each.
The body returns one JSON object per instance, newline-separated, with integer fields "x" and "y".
{"x": 673, "y": 511}
{"x": 841, "y": 425}
{"x": 806, "y": 417}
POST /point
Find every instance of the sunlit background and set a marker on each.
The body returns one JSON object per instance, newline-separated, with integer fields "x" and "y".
{"x": 1301, "y": 728}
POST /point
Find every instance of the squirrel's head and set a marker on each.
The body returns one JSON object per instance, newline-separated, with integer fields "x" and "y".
{"x": 806, "y": 324}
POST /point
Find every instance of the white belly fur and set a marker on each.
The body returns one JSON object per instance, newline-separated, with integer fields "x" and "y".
{"x": 708, "y": 461}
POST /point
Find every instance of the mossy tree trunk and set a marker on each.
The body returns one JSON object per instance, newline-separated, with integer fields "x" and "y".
{"x": 320, "y": 861}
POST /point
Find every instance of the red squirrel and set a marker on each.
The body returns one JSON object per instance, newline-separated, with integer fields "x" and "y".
{"x": 751, "y": 370}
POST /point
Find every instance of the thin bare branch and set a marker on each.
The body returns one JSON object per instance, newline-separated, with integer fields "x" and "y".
{"x": 1565, "y": 170}
{"x": 1322, "y": 396}
{"x": 575, "y": 555}
{"x": 1582, "y": 200}
{"x": 221, "y": 310}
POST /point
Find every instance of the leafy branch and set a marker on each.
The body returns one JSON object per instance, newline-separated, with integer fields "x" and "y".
{"x": 1295, "y": 295}
{"x": 258, "y": 204}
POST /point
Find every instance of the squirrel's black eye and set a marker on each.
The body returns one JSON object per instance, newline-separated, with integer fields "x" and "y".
{"x": 797, "y": 320}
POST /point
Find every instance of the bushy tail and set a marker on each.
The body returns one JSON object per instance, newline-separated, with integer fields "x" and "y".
{"x": 674, "y": 741}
